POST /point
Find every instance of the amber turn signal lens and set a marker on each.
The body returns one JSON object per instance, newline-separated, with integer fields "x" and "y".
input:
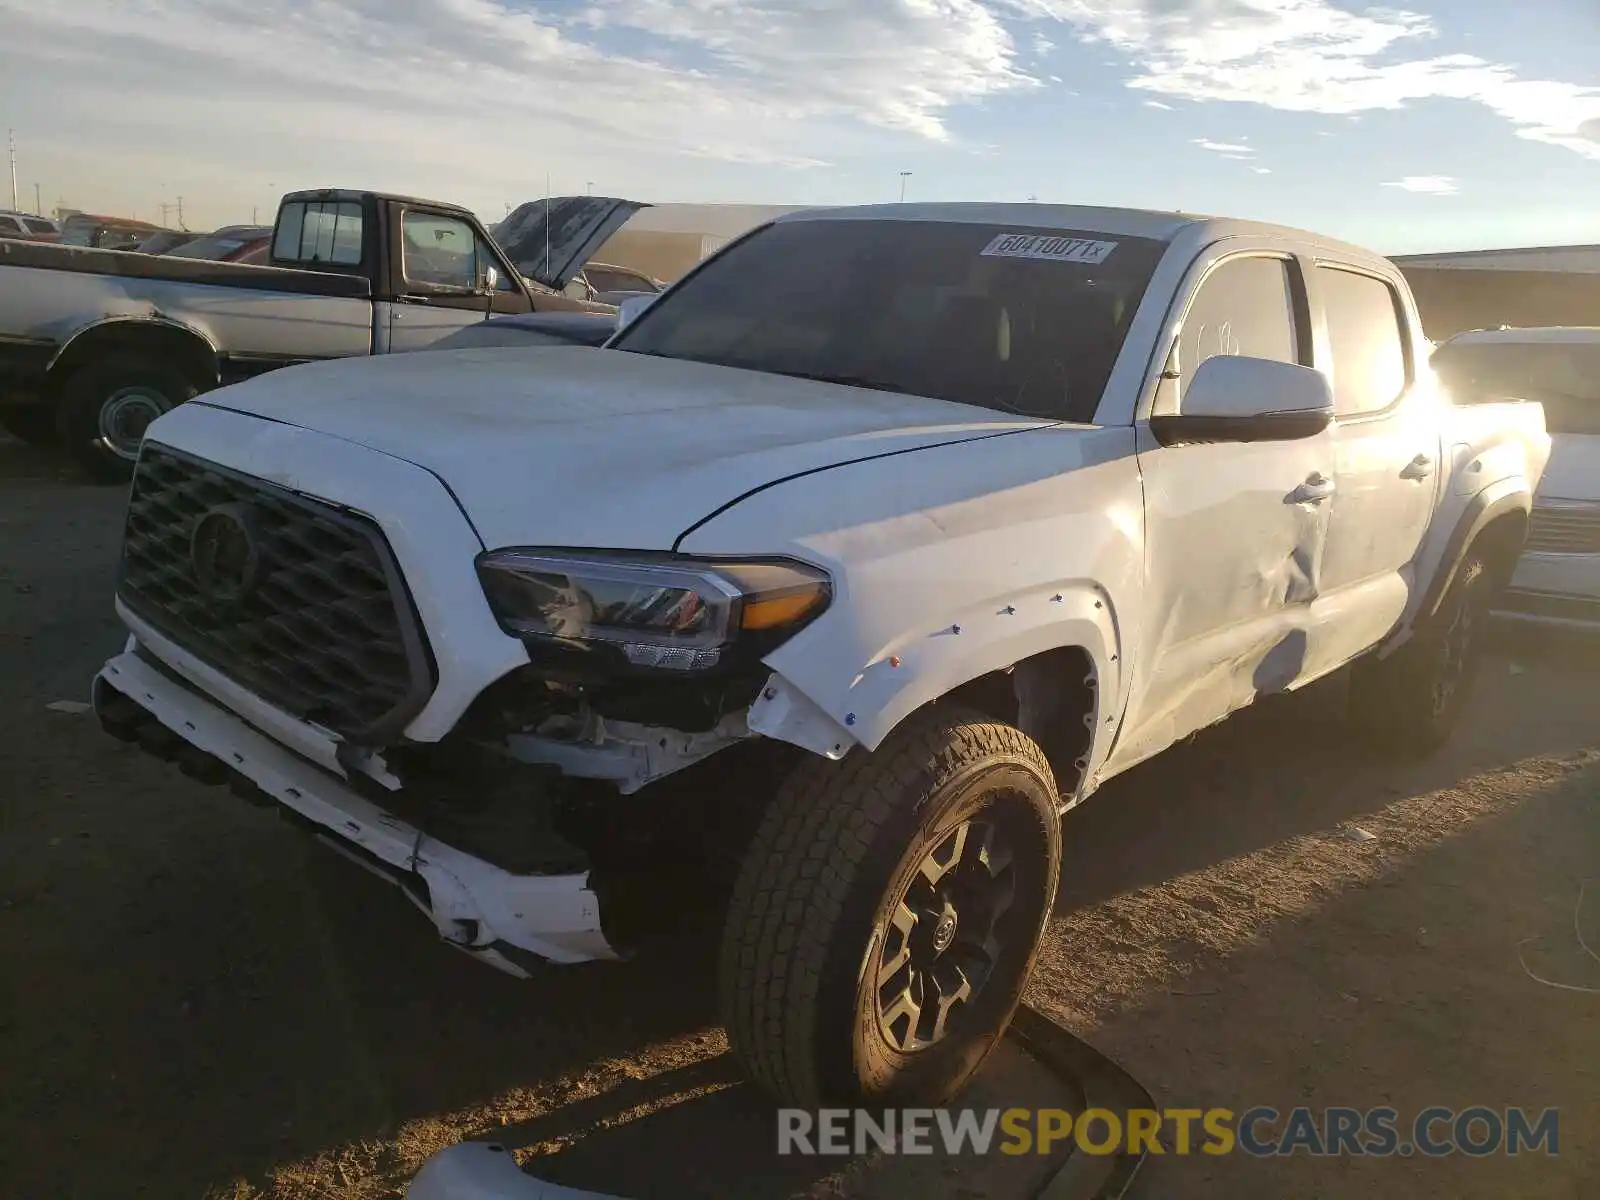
{"x": 774, "y": 612}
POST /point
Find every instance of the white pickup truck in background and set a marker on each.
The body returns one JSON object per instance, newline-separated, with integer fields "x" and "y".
{"x": 1557, "y": 583}
{"x": 884, "y": 537}
{"x": 95, "y": 344}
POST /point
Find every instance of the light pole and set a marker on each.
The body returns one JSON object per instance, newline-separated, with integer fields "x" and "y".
{"x": 38, "y": 204}
{"x": 11, "y": 139}
{"x": 589, "y": 188}
{"x": 904, "y": 175}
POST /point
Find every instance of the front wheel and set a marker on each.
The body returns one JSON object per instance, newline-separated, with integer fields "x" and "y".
{"x": 107, "y": 406}
{"x": 1411, "y": 700}
{"x": 888, "y": 913}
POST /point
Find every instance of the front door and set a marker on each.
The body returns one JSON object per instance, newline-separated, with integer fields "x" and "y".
{"x": 1234, "y": 532}
{"x": 439, "y": 262}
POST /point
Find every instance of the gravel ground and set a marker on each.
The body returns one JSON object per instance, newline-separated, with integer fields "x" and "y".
{"x": 198, "y": 1001}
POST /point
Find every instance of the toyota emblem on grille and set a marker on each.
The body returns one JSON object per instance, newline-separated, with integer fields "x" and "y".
{"x": 225, "y": 554}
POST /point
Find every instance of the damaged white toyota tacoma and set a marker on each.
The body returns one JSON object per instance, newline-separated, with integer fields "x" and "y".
{"x": 879, "y": 541}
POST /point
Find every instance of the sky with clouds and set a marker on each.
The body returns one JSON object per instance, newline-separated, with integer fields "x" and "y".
{"x": 1429, "y": 124}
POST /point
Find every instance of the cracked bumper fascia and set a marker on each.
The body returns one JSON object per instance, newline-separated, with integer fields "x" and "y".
{"x": 476, "y": 906}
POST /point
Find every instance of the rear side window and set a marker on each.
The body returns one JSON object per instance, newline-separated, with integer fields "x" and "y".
{"x": 1367, "y": 339}
{"x": 319, "y": 231}
{"x": 38, "y": 226}
{"x": 7, "y": 225}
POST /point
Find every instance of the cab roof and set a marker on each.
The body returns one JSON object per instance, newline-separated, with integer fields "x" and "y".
{"x": 357, "y": 195}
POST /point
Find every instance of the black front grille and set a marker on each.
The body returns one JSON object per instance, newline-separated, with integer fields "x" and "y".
{"x": 307, "y": 608}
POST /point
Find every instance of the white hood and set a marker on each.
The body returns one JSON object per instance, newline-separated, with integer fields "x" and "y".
{"x": 599, "y": 448}
{"x": 1573, "y": 472}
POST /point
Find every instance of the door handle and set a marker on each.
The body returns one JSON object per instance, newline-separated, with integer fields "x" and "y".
{"x": 1419, "y": 467}
{"x": 1317, "y": 488}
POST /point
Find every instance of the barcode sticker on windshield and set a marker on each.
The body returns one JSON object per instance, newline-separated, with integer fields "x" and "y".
{"x": 1045, "y": 246}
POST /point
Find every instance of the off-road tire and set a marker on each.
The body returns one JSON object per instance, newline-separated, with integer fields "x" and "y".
{"x": 1410, "y": 701}
{"x": 92, "y": 389}
{"x": 829, "y": 861}
{"x": 35, "y": 425}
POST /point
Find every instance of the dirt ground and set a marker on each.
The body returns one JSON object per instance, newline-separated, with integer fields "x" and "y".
{"x": 198, "y": 1001}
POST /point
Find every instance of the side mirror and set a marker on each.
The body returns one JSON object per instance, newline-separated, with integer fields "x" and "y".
{"x": 489, "y": 279}
{"x": 1231, "y": 398}
{"x": 629, "y": 310}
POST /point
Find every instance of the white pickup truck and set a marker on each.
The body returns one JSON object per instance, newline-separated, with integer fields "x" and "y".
{"x": 95, "y": 344}
{"x": 882, "y": 539}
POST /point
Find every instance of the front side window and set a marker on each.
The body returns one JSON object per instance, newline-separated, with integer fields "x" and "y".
{"x": 1245, "y": 306}
{"x": 38, "y": 226}
{"x": 319, "y": 231}
{"x": 439, "y": 251}
{"x": 9, "y": 226}
{"x": 1020, "y": 320}
{"x": 1365, "y": 333}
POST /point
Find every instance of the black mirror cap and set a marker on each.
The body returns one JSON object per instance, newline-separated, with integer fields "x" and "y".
{"x": 1179, "y": 430}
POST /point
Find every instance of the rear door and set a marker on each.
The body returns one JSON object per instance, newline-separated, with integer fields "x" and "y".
{"x": 438, "y": 260}
{"x": 1234, "y": 530}
{"x": 1386, "y": 464}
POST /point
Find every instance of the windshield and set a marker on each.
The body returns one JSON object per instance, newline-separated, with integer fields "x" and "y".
{"x": 1563, "y": 376}
{"x": 76, "y": 232}
{"x": 1018, "y": 319}
{"x": 217, "y": 245}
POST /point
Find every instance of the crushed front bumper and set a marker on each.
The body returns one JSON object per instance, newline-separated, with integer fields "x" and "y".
{"x": 510, "y": 921}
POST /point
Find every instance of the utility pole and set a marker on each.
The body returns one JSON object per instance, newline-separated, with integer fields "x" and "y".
{"x": 180, "y": 213}
{"x": 164, "y": 207}
{"x": 589, "y": 188}
{"x": 11, "y": 138}
{"x": 38, "y": 204}
{"x": 904, "y": 175}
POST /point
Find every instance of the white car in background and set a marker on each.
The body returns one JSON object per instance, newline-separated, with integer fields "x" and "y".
{"x": 1557, "y": 581}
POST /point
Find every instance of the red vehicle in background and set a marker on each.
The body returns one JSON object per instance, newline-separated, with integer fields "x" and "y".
{"x": 231, "y": 243}
{"x": 166, "y": 241}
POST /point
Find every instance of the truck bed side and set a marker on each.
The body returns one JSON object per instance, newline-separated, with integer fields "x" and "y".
{"x": 1493, "y": 457}
{"x": 253, "y": 317}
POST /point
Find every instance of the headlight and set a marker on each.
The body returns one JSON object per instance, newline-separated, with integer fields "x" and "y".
{"x": 662, "y": 612}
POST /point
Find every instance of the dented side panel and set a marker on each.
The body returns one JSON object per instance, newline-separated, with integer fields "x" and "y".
{"x": 1232, "y": 566}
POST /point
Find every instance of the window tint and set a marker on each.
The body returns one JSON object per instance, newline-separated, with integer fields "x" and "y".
{"x": 439, "y": 251}
{"x": 8, "y": 225}
{"x": 322, "y": 231}
{"x": 1369, "y": 356}
{"x": 38, "y": 226}
{"x": 1025, "y": 321}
